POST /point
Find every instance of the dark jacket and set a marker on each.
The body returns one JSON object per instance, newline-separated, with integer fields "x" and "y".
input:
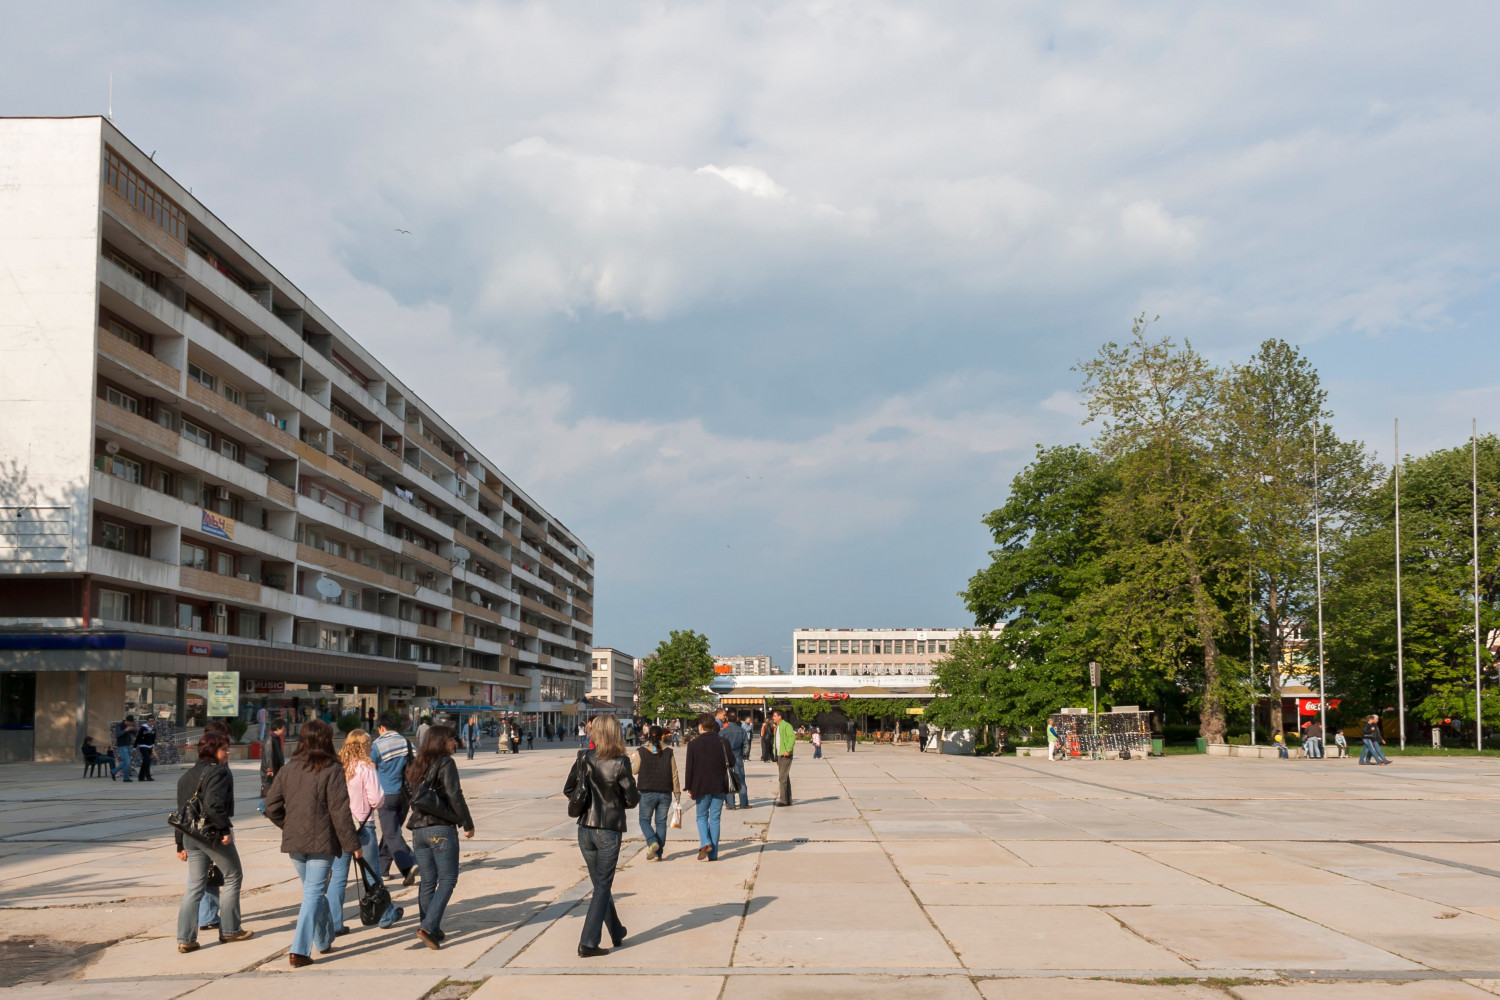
{"x": 738, "y": 740}
{"x": 1372, "y": 732}
{"x": 312, "y": 810}
{"x": 445, "y": 780}
{"x": 612, "y": 791}
{"x": 145, "y": 737}
{"x": 272, "y": 760}
{"x": 707, "y": 756}
{"x": 217, "y": 798}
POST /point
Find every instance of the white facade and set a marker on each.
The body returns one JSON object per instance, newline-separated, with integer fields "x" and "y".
{"x": 745, "y": 666}
{"x": 613, "y": 679}
{"x": 191, "y": 449}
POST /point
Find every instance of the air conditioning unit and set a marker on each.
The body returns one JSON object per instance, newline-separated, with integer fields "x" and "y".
{"x": 220, "y": 610}
{"x": 221, "y": 493}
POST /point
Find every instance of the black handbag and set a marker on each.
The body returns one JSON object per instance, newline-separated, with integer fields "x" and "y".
{"x": 731, "y": 776}
{"x": 578, "y": 801}
{"x": 189, "y": 819}
{"x": 214, "y": 879}
{"x": 429, "y": 799}
{"x": 374, "y": 897}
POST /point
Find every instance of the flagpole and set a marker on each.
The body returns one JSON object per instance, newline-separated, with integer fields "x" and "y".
{"x": 1254, "y": 698}
{"x": 1400, "y": 665}
{"x": 1478, "y": 702}
{"x": 1318, "y": 552}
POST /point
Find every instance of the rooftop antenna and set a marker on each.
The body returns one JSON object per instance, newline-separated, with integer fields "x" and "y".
{"x": 111, "y": 113}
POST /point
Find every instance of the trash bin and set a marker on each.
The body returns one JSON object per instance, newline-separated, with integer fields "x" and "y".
{"x": 255, "y": 750}
{"x": 1158, "y": 745}
{"x": 1202, "y": 745}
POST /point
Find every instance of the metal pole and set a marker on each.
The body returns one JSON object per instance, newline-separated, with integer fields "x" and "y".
{"x": 1254, "y": 698}
{"x": 1318, "y": 556}
{"x": 1400, "y": 664}
{"x": 1478, "y": 703}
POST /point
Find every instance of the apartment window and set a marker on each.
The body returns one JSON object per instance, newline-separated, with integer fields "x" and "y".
{"x": 864, "y": 646}
{"x": 229, "y": 450}
{"x": 121, "y": 176}
{"x": 203, "y": 378}
{"x": 122, "y": 400}
{"x": 164, "y": 418}
{"x": 224, "y": 564}
{"x": 124, "y": 468}
{"x": 162, "y": 481}
{"x": 205, "y": 317}
{"x": 943, "y": 647}
{"x": 823, "y": 646}
{"x": 230, "y": 393}
{"x": 197, "y": 434}
{"x": 112, "y": 536}
{"x": 921, "y": 646}
{"x": 125, "y": 333}
{"x": 128, "y": 265}
{"x": 195, "y": 556}
{"x": 911, "y": 647}
{"x": 114, "y": 606}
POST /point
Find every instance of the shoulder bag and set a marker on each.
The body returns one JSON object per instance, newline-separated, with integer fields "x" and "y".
{"x": 190, "y": 821}
{"x": 429, "y": 799}
{"x": 583, "y": 791}
{"x": 374, "y": 897}
{"x": 731, "y": 776}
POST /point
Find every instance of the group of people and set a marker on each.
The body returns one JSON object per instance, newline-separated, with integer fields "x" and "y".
{"x": 132, "y": 739}
{"x": 337, "y": 811}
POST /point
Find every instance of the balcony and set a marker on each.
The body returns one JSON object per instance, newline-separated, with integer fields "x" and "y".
{"x": 231, "y": 587}
{"x": 242, "y": 418}
{"x": 354, "y": 570}
{"x": 339, "y": 471}
{"x": 146, "y": 365}
{"x": 137, "y": 428}
{"x": 137, "y": 571}
{"x": 143, "y": 226}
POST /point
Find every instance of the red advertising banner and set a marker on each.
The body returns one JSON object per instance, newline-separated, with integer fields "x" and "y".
{"x": 1309, "y": 706}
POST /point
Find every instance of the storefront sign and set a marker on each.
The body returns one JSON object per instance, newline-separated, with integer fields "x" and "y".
{"x": 1309, "y": 706}
{"x": 218, "y": 525}
{"x": 266, "y": 687}
{"x": 199, "y": 649}
{"x": 223, "y": 693}
{"x": 723, "y": 668}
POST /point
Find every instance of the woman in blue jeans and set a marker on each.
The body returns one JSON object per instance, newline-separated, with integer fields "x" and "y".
{"x": 309, "y": 801}
{"x": 655, "y": 770}
{"x": 706, "y": 778}
{"x": 601, "y": 827}
{"x": 365, "y": 800}
{"x": 438, "y": 810}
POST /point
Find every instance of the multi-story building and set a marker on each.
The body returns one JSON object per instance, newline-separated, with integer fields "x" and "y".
{"x": 845, "y": 662}
{"x": 200, "y": 470}
{"x": 612, "y": 685}
{"x": 745, "y": 666}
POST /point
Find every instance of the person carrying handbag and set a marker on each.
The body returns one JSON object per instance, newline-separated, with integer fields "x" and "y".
{"x": 207, "y": 793}
{"x": 438, "y": 810}
{"x": 707, "y": 778}
{"x": 365, "y": 798}
{"x": 655, "y": 770}
{"x": 600, "y": 790}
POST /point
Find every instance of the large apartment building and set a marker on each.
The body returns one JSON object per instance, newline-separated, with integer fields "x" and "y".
{"x": 201, "y": 471}
{"x": 613, "y": 682}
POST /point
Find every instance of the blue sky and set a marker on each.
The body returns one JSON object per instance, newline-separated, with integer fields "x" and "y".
{"x": 769, "y": 301}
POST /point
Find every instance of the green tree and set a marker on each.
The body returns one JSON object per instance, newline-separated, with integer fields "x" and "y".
{"x": 979, "y": 684}
{"x": 676, "y": 676}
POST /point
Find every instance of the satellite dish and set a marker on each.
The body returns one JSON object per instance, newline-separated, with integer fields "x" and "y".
{"x": 111, "y": 448}
{"x": 474, "y": 597}
{"x": 460, "y": 554}
{"x": 329, "y": 588}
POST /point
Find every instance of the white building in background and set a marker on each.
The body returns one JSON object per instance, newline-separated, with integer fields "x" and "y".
{"x": 745, "y": 666}
{"x": 612, "y": 681}
{"x": 200, "y": 470}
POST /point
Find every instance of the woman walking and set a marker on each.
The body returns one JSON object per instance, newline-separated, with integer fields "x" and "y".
{"x": 655, "y": 769}
{"x": 707, "y": 781}
{"x": 612, "y": 791}
{"x": 211, "y": 781}
{"x": 365, "y": 800}
{"x": 309, "y": 801}
{"x": 438, "y": 810}
{"x": 1373, "y": 737}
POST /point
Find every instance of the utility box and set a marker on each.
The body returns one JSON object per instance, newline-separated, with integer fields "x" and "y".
{"x": 958, "y": 741}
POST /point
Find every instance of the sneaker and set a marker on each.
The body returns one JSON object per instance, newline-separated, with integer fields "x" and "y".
{"x": 653, "y": 852}
{"x": 239, "y": 935}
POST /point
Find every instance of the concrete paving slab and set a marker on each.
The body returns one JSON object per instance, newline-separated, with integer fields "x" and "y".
{"x": 1092, "y": 989}
{"x": 662, "y": 936}
{"x": 823, "y": 987}
{"x": 1423, "y": 990}
{"x": 388, "y": 985}
{"x": 509, "y": 987}
{"x": 1046, "y": 937}
{"x": 73, "y": 989}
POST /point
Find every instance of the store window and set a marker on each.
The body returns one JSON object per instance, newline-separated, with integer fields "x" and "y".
{"x": 18, "y": 701}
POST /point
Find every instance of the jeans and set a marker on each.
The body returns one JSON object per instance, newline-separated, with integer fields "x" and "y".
{"x": 338, "y": 882}
{"x": 123, "y": 762}
{"x": 653, "y": 817}
{"x": 469, "y": 745}
{"x": 437, "y": 859}
{"x": 208, "y": 909}
{"x": 817, "y": 751}
{"x": 393, "y": 847}
{"x": 227, "y": 857}
{"x": 1312, "y": 747}
{"x": 601, "y": 853}
{"x": 314, "y": 922}
{"x": 710, "y": 808}
{"x": 1372, "y": 754}
{"x": 739, "y": 769}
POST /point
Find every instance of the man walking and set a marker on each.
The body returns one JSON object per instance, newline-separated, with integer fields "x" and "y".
{"x": 390, "y": 753}
{"x": 849, "y": 735}
{"x": 272, "y": 757}
{"x": 921, "y": 737}
{"x": 124, "y": 745}
{"x": 739, "y": 746}
{"x": 471, "y": 735}
{"x": 786, "y": 742}
{"x": 262, "y": 717}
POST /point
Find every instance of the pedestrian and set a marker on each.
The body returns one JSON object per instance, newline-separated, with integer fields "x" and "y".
{"x": 1373, "y": 737}
{"x": 850, "y": 735}
{"x": 263, "y": 718}
{"x": 211, "y": 782}
{"x": 1054, "y": 741}
{"x": 547, "y": 731}
{"x": 583, "y": 731}
{"x": 1312, "y": 740}
{"x": 365, "y": 798}
{"x": 471, "y": 736}
{"x": 272, "y": 757}
{"x": 817, "y": 743}
{"x": 145, "y": 745}
{"x": 515, "y": 737}
{"x": 436, "y": 818}
{"x": 309, "y": 802}
{"x": 124, "y": 745}
{"x": 601, "y": 827}
{"x": 738, "y": 738}
{"x": 921, "y": 738}
{"x": 370, "y": 723}
{"x": 705, "y": 778}
{"x": 767, "y": 742}
{"x": 786, "y": 742}
{"x": 531, "y": 737}
{"x": 422, "y": 727}
{"x": 655, "y": 770}
{"x": 390, "y": 753}
{"x": 208, "y": 908}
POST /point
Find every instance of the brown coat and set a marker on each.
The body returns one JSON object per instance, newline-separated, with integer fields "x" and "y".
{"x": 312, "y": 810}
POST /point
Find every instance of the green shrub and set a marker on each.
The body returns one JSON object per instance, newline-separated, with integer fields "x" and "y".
{"x": 237, "y": 729}
{"x": 349, "y": 722}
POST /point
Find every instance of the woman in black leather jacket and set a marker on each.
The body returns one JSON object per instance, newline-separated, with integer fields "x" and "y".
{"x": 211, "y": 781}
{"x": 434, "y": 830}
{"x": 612, "y": 793}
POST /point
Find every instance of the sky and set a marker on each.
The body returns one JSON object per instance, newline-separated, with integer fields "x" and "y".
{"x": 769, "y": 301}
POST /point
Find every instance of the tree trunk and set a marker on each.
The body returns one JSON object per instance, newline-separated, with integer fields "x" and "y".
{"x": 1273, "y": 669}
{"x": 1211, "y": 725}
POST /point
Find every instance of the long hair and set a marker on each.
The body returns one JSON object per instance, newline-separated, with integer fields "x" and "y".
{"x": 315, "y": 745}
{"x": 608, "y": 742}
{"x": 356, "y": 748}
{"x": 433, "y": 749}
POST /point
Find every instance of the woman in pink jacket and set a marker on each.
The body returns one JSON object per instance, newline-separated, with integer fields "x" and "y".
{"x": 365, "y": 799}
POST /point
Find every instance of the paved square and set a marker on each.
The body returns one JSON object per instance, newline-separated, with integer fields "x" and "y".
{"x": 896, "y": 874}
